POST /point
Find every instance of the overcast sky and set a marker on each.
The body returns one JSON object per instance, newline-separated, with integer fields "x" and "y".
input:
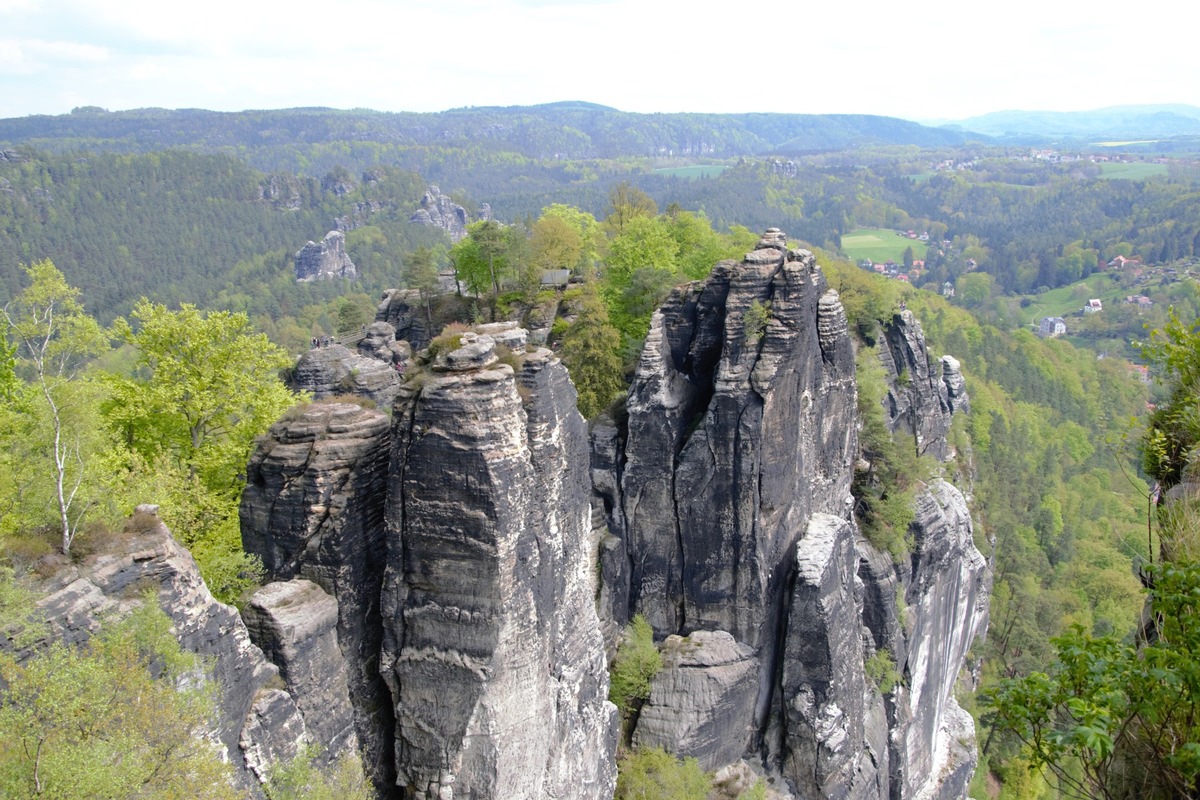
{"x": 932, "y": 59}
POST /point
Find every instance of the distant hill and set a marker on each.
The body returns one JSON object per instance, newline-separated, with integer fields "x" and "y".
{"x": 1112, "y": 123}
{"x": 564, "y": 130}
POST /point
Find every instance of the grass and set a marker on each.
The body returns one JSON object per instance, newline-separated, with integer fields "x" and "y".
{"x": 1132, "y": 172}
{"x": 693, "y": 171}
{"x": 1069, "y": 299}
{"x": 880, "y": 244}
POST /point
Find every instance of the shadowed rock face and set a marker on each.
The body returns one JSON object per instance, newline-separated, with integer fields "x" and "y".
{"x": 492, "y": 648}
{"x": 726, "y": 496}
{"x": 735, "y": 437}
{"x": 313, "y": 508}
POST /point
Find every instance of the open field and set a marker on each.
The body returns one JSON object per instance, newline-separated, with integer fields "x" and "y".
{"x": 1066, "y": 300}
{"x": 1133, "y": 172}
{"x": 693, "y": 171}
{"x": 880, "y": 244}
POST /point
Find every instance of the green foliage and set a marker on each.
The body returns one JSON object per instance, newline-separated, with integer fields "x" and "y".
{"x": 302, "y": 779}
{"x": 1174, "y": 428}
{"x": 54, "y": 339}
{"x": 886, "y": 490}
{"x": 881, "y": 670}
{"x": 109, "y": 719}
{"x": 654, "y": 774}
{"x": 591, "y": 349}
{"x": 207, "y": 386}
{"x": 754, "y": 323}
{"x": 636, "y": 663}
{"x": 1113, "y": 719}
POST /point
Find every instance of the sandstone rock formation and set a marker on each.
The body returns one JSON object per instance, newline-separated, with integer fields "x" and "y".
{"x": 257, "y": 726}
{"x": 492, "y": 647}
{"x": 439, "y": 211}
{"x": 404, "y": 311}
{"x": 726, "y": 501}
{"x": 325, "y": 260}
{"x": 327, "y": 372}
{"x": 465, "y": 596}
{"x": 313, "y": 508}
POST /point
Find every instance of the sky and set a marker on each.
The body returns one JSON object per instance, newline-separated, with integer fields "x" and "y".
{"x": 930, "y": 60}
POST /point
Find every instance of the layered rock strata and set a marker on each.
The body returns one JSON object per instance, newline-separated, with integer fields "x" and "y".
{"x": 313, "y": 508}
{"x": 492, "y": 648}
{"x": 335, "y": 370}
{"x": 255, "y": 725}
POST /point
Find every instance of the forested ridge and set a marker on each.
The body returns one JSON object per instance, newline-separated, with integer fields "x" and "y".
{"x": 1049, "y": 450}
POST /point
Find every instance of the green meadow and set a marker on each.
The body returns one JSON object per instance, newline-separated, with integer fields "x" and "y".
{"x": 880, "y": 244}
{"x": 1132, "y": 172}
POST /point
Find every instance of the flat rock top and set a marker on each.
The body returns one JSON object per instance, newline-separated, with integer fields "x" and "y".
{"x": 706, "y": 649}
{"x": 296, "y": 606}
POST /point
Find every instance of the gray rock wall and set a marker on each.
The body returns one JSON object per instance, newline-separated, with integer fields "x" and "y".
{"x": 313, "y": 508}
{"x": 325, "y": 260}
{"x": 492, "y": 648}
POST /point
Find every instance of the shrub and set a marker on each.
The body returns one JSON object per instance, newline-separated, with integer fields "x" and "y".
{"x": 636, "y": 663}
{"x": 881, "y": 669}
{"x": 654, "y": 773}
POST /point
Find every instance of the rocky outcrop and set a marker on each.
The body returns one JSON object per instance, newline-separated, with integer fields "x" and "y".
{"x": 726, "y": 503}
{"x": 697, "y": 702}
{"x": 823, "y": 685}
{"x": 947, "y": 604}
{"x": 313, "y": 508}
{"x": 335, "y": 370}
{"x": 325, "y": 260}
{"x": 920, "y": 399}
{"x": 256, "y": 726}
{"x": 492, "y": 649}
{"x": 404, "y": 311}
{"x": 294, "y": 624}
{"x": 439, "y": 211}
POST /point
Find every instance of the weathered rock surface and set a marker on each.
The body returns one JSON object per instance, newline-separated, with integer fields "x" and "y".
{"x": 294, "y": 624}
{"x": 947, "y": 600}
{"x": 403, "y": 310}
{"x": 313, "y": 508}
{"x": 492, "y": 648}
{"x": 325, "y": 260}
{"x": 253, "y": 726}
{"x": 697, "y": 702}
{"x": 920, "y": 400}
{"x": 439, "y": 211}
{"x": 726, "y": 506}
{"x": 824, "y": 689}
{"x": 336, "y": 370}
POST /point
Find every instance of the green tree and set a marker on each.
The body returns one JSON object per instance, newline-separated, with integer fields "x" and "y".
{"x": 107, "y": 719}
{"x": 302, "y": 779}
{"x": 908, "y": 256}
{"x": 421, "y": 273}
{"x": 54, "y": 339}
{"x": 481, "y": 259}
{"x": 654, "y": 774}
{"x": 207, "y": 385}
{"x": 591, "y": 349}
{"x": 555, "y": 244}
{"x": 626, "y": 202}
{"x": 636, "y": 663}
{"x": 1113, "y": 719}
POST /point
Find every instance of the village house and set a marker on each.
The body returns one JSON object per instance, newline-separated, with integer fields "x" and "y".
{"x": 1052, "y": 326}
{"x": 947, "y": 289}
{"x": 1094, "y": 306}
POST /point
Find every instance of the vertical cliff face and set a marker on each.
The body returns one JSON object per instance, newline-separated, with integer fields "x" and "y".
{"x": 726, "y": 496}
{"x": 313, "y": 508}
{"x": 492, "y": 648}
{"x": 740, "y": 426}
